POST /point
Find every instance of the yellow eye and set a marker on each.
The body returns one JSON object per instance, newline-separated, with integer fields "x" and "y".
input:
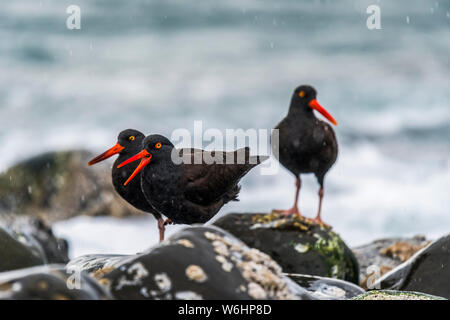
{"x": 131, "y": 138}
{"x": 301, "y": 94}
{"x": 158, "y": 145}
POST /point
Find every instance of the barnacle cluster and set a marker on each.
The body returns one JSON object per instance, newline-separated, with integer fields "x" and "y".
{"x": 263, "y": 275}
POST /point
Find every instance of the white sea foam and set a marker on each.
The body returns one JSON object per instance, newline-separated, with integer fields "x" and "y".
{"x": 89, "y": 235}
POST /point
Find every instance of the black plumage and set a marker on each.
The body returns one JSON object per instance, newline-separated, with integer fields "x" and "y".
{"x": 306, "y": 144}
{"x": 128, "y": 144}
{"x": 190, "y": 185}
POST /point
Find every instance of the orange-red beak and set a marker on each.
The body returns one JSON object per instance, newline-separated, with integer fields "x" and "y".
{"x": 145, "y": 156}
{"x": 105, "y": 155}
{"x": 313, "y": 104}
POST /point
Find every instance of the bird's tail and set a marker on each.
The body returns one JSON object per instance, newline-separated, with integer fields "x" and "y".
{"x": 232, "y": 195}
{"x": 251, "y": 160}
{"x": 258, "y": 159}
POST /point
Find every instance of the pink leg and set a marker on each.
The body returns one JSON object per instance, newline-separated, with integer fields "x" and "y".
{"x": 162, "y": 229}
{"x": 318, "y": 219}
{"x": 294, "y": 209}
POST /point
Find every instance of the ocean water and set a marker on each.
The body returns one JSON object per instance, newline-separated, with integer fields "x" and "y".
{"x": 160, "y": 65}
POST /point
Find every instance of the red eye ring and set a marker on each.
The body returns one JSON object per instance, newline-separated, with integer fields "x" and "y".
{"x": 158, "y": 145}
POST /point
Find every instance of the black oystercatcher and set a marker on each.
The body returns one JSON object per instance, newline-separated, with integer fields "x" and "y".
{"x": 306, "y": 144}
{"x": 189, "y": 185}
{"x": 129, "y": 142}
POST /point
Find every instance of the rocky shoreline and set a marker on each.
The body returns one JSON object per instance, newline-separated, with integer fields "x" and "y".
{"x": 211, "y": 263}
{"x": 241, "y": 256}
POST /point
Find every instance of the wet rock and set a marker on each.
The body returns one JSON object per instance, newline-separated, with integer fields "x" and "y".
{"x": 395, "y": 295}
{"x": 195, "y": 263}
{"x": 29, "y": 242}
{"x": 428, "y": 271}
{"x": 59, "y": 185}
{"x": 38, "y": 233}
{"x": 50, "y": 282}
{"x": 381, "y": 256}
{"x": 297, "y": 244}
{"x": 327, "y": 288}
{"x": 95, "y": 262}
{"x": 402, "y": 250}
{"x": 15, "y": 253}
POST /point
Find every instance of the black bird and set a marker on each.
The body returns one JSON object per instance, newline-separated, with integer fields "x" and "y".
{"x": 189, "y": 185}
{"x": 129, "y": 142}
{"x": 306, "y": 144}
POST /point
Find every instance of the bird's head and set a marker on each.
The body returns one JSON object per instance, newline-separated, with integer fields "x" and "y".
{"x": 304, "y": 100}
{"x": 129, "y": 140}
{"x": 153, "y": 147}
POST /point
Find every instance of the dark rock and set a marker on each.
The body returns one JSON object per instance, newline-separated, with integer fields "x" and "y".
{"x": 29, "y": 242}
{"x": 195, "y": 263}
{"x": 50, "y": 282}
{"x": 395, "y": 295}
{"x": 297, "y": 244}
{"x": 428, "y": 271}
{"x": 15, "y": 254}
{"x": 327, "y": 288}
{"x": 59, "y": 185}
{"x": 55, "y": 250}
{"x": 380, "y": 256}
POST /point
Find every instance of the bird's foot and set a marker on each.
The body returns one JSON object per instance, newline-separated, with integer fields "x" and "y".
{"x": 319, "y": 221}
{"x": 291, "y": 211}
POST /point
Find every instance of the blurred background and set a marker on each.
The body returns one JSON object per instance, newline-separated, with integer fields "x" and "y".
{"x": 159, "y": 65}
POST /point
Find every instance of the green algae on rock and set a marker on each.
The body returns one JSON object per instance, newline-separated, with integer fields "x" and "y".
{"x": 296, "y": 243}
{"x": 396, "y": 295}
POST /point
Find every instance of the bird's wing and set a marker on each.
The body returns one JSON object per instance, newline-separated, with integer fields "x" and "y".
{"x": 330, "y": 140}
{"x": 211, "y": 178}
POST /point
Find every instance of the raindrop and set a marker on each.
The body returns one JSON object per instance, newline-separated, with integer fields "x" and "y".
{"x": 407, "y": 19}
{"x": 30, "y": 190}
{"x": 432, "y": 10}
{"x": 272, "y": 45}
